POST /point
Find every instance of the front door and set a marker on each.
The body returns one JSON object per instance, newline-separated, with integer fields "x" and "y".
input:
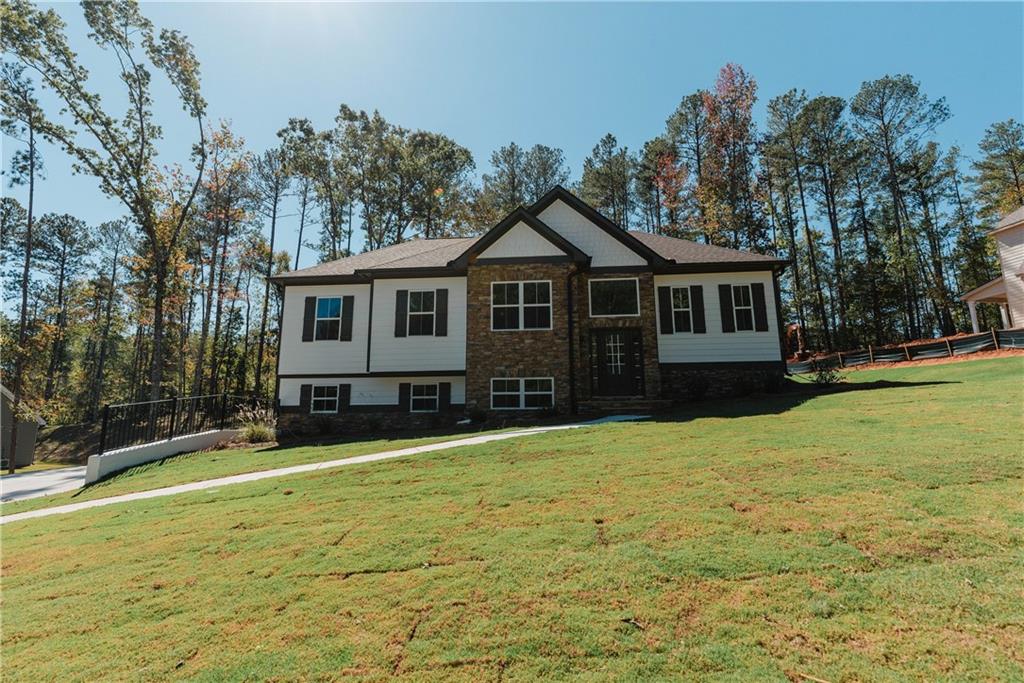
{"x": 617, "y": 362}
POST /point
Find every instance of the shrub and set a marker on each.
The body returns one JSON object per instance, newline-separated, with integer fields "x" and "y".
{"x": 824, "y": 373}
{"x": 477, "y": 415}
{"x": 258, "y": 433}
{"x": 258, "y": 424}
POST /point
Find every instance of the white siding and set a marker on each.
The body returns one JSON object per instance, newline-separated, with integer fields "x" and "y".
{"x": 604, "y": 249}
{"x": 327, "y": 356}
{"x": 390, "y": 353}
{"x": 1011, "y": 257}
{"x": 521, "y": 240}
{"x": 715, "y": 345}
{"x": 369, "y": 390}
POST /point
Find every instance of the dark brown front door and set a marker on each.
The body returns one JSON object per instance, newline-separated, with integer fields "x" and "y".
{"x": 617, "y": 362}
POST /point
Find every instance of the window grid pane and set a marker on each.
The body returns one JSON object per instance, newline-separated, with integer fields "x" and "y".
{"x": 328, "y": 318}
{"x": 613, "y": 297}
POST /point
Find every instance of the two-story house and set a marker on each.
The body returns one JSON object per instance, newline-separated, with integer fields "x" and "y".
{"x": 1007, "y": 290}
{"x": 555, "y": 308}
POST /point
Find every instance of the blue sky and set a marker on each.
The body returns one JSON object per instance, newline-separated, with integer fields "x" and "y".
{"x": 557, "y": 74}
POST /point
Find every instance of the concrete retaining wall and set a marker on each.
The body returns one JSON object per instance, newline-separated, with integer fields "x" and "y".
{"x": 100, "y": 466}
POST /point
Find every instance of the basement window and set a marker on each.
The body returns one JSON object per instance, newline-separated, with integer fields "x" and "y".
{"x": 325, "y": 399}
{"x": 424, "y": 398}
{"x": 528, "y": 393}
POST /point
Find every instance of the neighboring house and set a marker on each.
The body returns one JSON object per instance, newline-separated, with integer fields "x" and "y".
{"x": 555, "y": 308}
{"x": 1007, "y": 290}
{"x": 28, "y": 430}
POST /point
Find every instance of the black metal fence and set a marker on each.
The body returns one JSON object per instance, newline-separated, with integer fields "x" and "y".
{"x": 132, "y": 424}
{"x": 944, "y": 348}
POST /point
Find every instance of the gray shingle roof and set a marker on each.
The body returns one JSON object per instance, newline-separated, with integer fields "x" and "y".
{"x": 438, "y": 253}
{"x": 417, "y": 253}
{"x": 1011, "y": 218}
{"x": 686, "y": 251}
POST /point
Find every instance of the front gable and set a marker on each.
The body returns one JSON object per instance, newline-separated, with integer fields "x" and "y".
{"x": 608, "y": 245}
{"x": 605, "y": 251}
{"x": 522, "y": 237}
{"x": 521, "y": 241}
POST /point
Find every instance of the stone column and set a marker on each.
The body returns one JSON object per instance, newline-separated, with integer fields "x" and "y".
{"x": 1004, "y": 316}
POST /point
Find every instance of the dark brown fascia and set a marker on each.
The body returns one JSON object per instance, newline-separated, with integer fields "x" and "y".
{"x": 671, "y": 267}
{"x": 519, "y": 215}
{"x": 596, "y": 217}
{"x": 665, "y": 267}
{"x": 377, "y": 373}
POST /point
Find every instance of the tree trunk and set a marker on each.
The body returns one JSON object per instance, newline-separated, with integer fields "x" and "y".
{"x": 258, "y": 389}
{"x": 19, "y": 358}
{"x": 156, "y": 372}
{"x": 105, "y": 338}
{"x": 815, "y": 276}
{"x": 876, "y": 311}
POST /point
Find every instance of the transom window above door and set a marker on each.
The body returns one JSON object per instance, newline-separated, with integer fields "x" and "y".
{"x": 521, "y": 305}
{"x": 615, "y": 297}
{"x": 421, "y": 313}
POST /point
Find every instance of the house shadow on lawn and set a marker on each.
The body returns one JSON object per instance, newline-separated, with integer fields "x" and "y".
{"x": 791, "y": 395}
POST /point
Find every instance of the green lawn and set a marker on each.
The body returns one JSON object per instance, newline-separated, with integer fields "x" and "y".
{"x": 202, "y": 465}
{"x": 868, "y": 534}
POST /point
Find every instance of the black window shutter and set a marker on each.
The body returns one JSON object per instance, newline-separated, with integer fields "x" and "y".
{"x": 444, "y": 396}
{"x": 401, "y": 311}
{"x": 309, "y": 319}
{"x": 760, "y": 310}
{"x": 441, "y": 313}
{"x": 697, "y": 306}
{"x": 725, "y": 302}
{"x": 344, "y": 396}
{"x": 347, "y": 305}
{"x": 306, "y": 397}
{"x": 665, "y": 309}
{"x": 404, "y": 393}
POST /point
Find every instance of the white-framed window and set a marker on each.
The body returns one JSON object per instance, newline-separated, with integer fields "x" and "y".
{"x": 328, "y": 318}
{"x": 522, "y": 305}
{"x": 615, "y": 297}
{"x": 421, "y": 313}
{"x": 522, "y": 393}
{"x": 325, "y": 398}
{"x": 424, "y": 398}
{"x": 743, "y": 307}
{"x": 682, "y": 310}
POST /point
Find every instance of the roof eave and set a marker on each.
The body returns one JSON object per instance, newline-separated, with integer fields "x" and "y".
{"x": 775, "y": 266}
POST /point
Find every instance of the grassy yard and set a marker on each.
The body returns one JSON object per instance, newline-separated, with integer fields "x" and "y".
{"x": 868, "y": 534}
{"x": 202, "y": 465}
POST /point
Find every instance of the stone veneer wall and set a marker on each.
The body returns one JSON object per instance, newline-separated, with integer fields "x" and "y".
{"x": 365, "y": 421}
{"x": 646, "y": 322}
{"x": 516, "y": 353}
{"x": 695, "y": 381}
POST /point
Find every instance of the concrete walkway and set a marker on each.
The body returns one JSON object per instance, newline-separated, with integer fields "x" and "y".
{"x": 299, "y": 469}
{"x": 41, "y": 483}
